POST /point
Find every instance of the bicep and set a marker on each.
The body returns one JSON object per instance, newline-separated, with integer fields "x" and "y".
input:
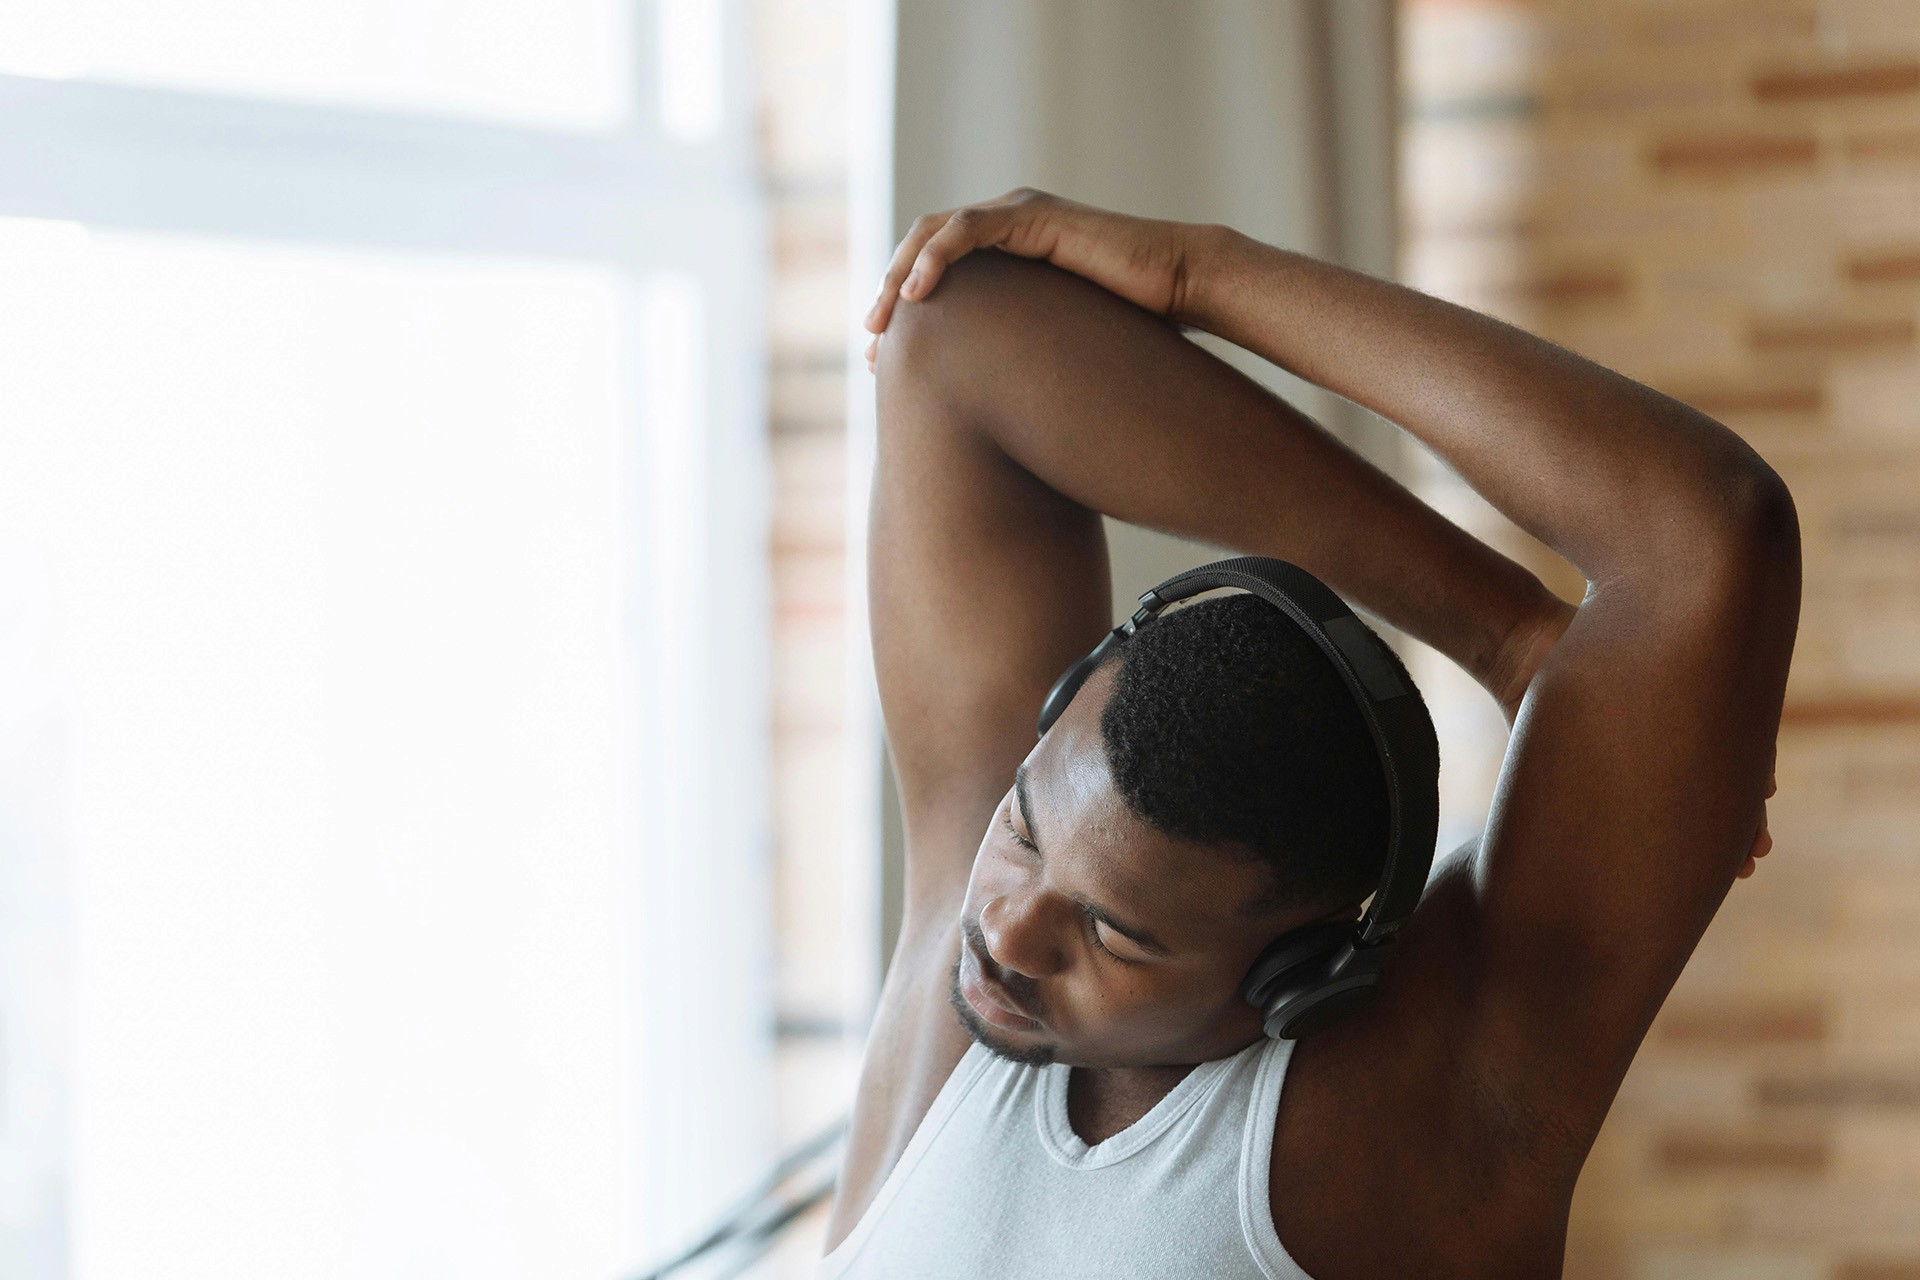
{"x": 1629, "y": 795}
{"x": 984, "y": 584}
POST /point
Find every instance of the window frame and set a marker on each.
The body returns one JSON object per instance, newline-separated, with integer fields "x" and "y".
{"x": 655, "y": 209}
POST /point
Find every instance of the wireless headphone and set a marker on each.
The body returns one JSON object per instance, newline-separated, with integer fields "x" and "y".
{"x": 1309, "y": 978}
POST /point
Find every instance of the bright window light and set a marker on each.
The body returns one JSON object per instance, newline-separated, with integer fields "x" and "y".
{"x": 690, "y": 69}
{"x": 683, "y": 890}
{"x": 564, "y": 63}
{"x": 329, "y": 554}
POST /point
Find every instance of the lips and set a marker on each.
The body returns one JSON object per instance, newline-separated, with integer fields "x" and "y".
{"x": 988, "y": 998}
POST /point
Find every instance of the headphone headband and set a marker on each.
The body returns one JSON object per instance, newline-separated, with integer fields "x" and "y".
{"x": 1398, "y": 723}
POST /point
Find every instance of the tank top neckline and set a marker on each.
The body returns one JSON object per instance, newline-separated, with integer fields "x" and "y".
{"x": 1059, "y": 1141}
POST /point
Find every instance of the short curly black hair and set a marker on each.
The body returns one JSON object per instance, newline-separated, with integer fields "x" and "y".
{"x": 1227, "y": 726}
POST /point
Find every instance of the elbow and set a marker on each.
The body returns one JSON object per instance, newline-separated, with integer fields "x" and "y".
{"x": 989, "y": 312}
{"x": 944, "y": 357}
{"x": 977, "y": 298}
{"x": 1746, "y": 543}
{"x": 1762, "y": 526}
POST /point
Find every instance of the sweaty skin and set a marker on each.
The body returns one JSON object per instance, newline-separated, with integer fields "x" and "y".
{"x": 1440, "y": 1131}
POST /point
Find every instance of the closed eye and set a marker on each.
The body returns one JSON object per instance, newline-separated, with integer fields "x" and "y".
{"x": 1096, "y": 918}
{"x": 1093, "y": 927}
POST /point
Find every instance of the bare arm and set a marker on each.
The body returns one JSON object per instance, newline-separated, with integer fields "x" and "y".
{"x": 1634, "y": 784}
{"x": 1063, "y": 402}
{"x": 1633, "y": 787}
{"x": 1014, "y": 407}
{"x": 1612, "y": 474}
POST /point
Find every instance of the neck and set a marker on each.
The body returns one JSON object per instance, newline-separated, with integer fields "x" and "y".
{"x": 1101, "y": 1101}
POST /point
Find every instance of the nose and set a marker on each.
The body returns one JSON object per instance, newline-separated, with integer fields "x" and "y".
{"x": 1023, "y": 934}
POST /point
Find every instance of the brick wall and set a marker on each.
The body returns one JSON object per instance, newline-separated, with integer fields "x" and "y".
{"x": 1722, "y": 199}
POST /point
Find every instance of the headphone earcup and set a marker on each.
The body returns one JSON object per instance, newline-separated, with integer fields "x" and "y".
{"x": 1298, "y": 1012}
{"x": 1310, "y": 978}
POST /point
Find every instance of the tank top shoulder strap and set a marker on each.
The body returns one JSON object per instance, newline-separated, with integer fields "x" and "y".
{"x": 973, "y": 1064}
{"x": 1256, "y": 1165}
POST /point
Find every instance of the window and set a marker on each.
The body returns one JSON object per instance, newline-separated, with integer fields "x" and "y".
{"x": 572, "y": 68}
{"x": 381, "y": 640}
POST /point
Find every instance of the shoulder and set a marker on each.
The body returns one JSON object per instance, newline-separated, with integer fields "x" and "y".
{"x": 1397, "y": 1137}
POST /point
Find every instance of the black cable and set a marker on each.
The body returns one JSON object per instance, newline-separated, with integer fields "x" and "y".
{"x": 736, "y": 1221}
{"x": 759, "y": 1241}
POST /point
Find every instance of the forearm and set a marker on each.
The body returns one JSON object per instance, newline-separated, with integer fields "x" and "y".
{"x": 1609, "y": 473}
{"x": 1108, "y": 406}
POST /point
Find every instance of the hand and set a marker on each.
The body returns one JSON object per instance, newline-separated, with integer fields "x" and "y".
{"x": 1145, "y": 261}
{"x": 1762, "y": 841}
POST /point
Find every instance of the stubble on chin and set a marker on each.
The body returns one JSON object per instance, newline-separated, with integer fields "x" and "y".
{"x": 984, "y": 1036}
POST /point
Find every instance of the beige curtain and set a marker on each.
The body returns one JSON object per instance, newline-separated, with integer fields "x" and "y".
{"x": 1274, "y": 116}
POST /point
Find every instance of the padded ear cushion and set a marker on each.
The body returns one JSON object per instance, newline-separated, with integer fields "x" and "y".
{"x": 1312, "y": 978}
{"x": 1294, "y": 1014}
{"x": 1290, "y": 953}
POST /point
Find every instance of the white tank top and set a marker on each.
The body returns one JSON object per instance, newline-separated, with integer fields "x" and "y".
{"x": 996, "y": 1183}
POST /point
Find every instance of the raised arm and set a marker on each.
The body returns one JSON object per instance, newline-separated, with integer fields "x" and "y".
{"x": 1020, "y": 403}
{"x": 1610, "y": 473}
{"x": 1635, "y": 781}
{"x": 1633, "y": 786}
{"x": 1015, "y": 406}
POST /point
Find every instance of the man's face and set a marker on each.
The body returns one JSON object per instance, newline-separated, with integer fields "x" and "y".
{"x": 1110, "y": 944}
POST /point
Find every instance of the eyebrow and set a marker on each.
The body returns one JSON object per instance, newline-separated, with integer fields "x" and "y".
{"x": 1026, "y": 804}
{"x": 1138, "y": 936}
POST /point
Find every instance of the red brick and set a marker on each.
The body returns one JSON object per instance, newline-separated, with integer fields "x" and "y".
{"x": 1743, "y": 1152}
{"x": 1832, "y": 333}
{"x": 1822, "y": 713}
{"x": 1878, "y": 1269}
{"x": 1839, "y": 1090}
{"x": 1577, "y": 285}
{"x": 1745, "y": 1025}
{"x": 1883, "y": 144}
{"x": 1886, "y": 267}
{"x": 1857, "y": 81}
{"x": 1805, "y": 397}
{"x": 1731, "y": 153}
{"x": 1767, "y": 1130}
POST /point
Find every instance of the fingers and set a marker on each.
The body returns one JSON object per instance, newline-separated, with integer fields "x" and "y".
{"x": 935, "y": 241}
{"x": 1763, "y": 838}
{"x": 1762, "y": 846}
{"x": 961, "y": 234}
{"x": 923, "y": 230}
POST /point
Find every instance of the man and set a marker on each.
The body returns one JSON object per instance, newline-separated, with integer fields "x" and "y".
{"x": 1093, "y": 902}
